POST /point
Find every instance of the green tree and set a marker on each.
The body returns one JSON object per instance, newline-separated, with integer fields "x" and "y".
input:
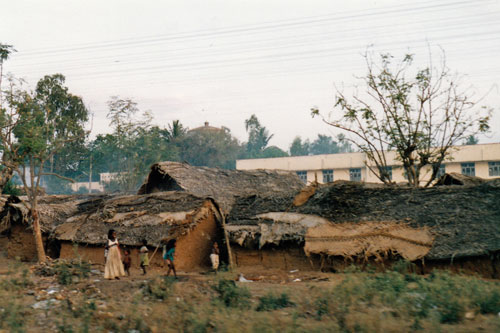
{"x": 175, "y": 131}
{"x": 210, "y": 148}
{"x": 258, "y": 137}
{"x": 325, "y": 144}
{"x": 5, "y": 52}
{"x": 471, "y": 140}
{"x": 128, "y": 129}
{"x": 273, "y": 151}
{"x": 420, "y": 114}
{"x": 6, "y": 170}
{"x": 41, "y": 123}
{"x": 299, "y": 148}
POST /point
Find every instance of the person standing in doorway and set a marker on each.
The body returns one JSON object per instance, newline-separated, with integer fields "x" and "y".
{"x": 214, "y": 256}
{"x": 114, "y": 267}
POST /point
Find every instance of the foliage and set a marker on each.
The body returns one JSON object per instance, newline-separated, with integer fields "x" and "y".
{"x": 419, "y": 114}
{"x": 258, "y": 138}
{"x": 445, "y": 295}
{"x": 11, "y": 189}
{"x": 471, "y": 140}
{"x": 159, "y": 288}
{"x": 212, "y": 148}
{"x": 273, "y": 151}
{"x": 231, "y": 295}
{"x": 323, "y": 144}
{"x": 34, "y": 127}
{"x": 64, "y": 270}
{"x": 299, "y": 148}
{"x": 272, "y": 302}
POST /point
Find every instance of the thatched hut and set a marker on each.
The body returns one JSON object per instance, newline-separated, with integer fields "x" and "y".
{"x": 220, "y": 184}
{"x": 15, "y": 221}
{"x": 193, "y": 221}
{"x": 342, "y": 222}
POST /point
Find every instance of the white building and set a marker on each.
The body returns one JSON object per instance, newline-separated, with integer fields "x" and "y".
{"x": 481, "y": 160}
{"x": 104, "y": 178}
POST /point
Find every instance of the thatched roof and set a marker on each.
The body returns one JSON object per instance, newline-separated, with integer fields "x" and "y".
{"x": 455, "y": 178}
{"x": 52, "y": 209}
{"x": 222, "y": 185}
{"x": 464, "y": 221}
{"x": 153, "y": 217}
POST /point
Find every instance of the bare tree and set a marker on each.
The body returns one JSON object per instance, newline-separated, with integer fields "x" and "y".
{"x": 420, "y": 114}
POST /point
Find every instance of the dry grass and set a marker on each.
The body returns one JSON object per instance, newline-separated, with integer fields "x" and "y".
{"x": 349, "y": 302}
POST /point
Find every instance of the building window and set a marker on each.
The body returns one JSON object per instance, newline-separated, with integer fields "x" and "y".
{"x": 468, "y": 169}
{"x": 355, "y": 174}
{"x": 327, "y": 176}
{"x": 302, "y": 175}
{"x": 441, "y": 171}
{"x": 388, "y": 170}
{"x": 494, "y": 168}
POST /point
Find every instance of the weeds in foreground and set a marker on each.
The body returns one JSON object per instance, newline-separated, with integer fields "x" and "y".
{"x": 272, "y": 302}
{"x": 231, "y": 295}
{"x": 443, "y": 295}
{"x": 159, "y": 288}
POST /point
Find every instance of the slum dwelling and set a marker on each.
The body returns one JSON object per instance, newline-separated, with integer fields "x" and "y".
{"x": 333, "y": 225}
{"x": 15, "y": 221}
{"x": 193, "y": 221}
{"x": 224, "y": 186}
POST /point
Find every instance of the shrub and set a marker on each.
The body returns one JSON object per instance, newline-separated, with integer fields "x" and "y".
{"x": 232, "y": 295}
{"x": 490, "y": 302}
{"x": 271, "y": 302}
{"x": 322, "y": 307}
{"x": 159, "y": 288}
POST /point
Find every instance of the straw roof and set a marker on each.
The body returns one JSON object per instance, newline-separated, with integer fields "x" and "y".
{"x": 464, "y": 220}
{"x": 222, "y": 185}
{"x": 153, "y": 217}
{"x": 454, "y": 178}
{"x": 52, "y": 209}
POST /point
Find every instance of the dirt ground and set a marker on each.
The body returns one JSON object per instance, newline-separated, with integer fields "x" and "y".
{"x": 42, "y": 304}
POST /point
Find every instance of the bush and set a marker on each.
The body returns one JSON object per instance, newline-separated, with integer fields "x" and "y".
{"x": 322, "y": 307}
{"x": 271, "y": 302}
{"x": 232, "y": 295}
{"x": 490, "y": 302}
{"x": 159, "y": 288}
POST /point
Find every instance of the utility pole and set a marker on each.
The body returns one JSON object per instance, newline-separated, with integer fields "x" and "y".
{"x": 90, "y": 173}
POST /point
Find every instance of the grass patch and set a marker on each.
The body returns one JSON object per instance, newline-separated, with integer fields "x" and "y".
{"x": 231, "y": 295}
{"x": 159, "y": 288}
{"x": 272, "y": 302}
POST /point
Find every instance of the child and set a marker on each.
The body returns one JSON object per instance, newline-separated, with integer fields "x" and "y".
{"x": 214, "y": 256}
{"x": 144, "y": 256}
{"x": 169, "y": 256}
{"x": 127, "y": 261}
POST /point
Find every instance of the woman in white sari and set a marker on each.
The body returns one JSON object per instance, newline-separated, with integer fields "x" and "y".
{"x": 114, "y": 267}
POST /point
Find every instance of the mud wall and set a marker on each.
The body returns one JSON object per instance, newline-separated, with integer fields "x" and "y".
{"x": 22, "y": 243}
{"x": 192, "y": 251}
{"x": 95, "y": 254}
{"x": 286, "y": 258}
{"x": 289, "y": 258}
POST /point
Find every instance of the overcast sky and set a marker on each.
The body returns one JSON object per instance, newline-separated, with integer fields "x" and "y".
{"x": 221, "y": 61}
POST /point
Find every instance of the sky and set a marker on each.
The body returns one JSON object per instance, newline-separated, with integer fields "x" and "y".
{"x": 222, "y": 61}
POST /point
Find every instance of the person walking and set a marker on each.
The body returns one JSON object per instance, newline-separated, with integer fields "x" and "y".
{"x": 114, "y": 267}
{"x": 168, "y": 256}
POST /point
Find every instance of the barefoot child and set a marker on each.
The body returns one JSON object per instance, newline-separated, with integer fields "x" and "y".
{"x": 144, "y": 256}
{"x": 127, "y": 261}
{"x": 169, "y": 256}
